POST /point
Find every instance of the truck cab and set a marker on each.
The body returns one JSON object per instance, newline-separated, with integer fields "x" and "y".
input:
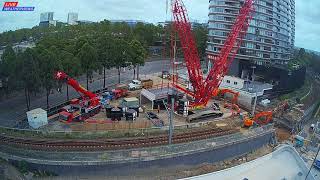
{"x": 134, "y": 85}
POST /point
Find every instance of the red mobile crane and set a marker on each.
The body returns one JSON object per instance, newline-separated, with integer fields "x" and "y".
{"x": 203, "y": 89}
{"x": 79, "y": 111}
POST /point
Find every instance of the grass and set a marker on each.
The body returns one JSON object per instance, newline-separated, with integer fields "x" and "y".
{"x": 90, "y": 135}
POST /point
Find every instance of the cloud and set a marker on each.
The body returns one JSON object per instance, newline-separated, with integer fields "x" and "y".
{"x": 308, "y": 24}
{"x": 307, "y": 14}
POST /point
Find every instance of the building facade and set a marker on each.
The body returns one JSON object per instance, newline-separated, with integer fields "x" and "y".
{"x": 46, "y": 19}
{"x": 270, "y": 37}
{"x": 131, "y": 23}
{"x": 72, "y": 18}
{"x": 46, "y": 16}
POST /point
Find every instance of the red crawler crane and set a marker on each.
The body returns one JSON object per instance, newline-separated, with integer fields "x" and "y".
{"x": 203, "y": 89}
{"x": 89, "y": 106}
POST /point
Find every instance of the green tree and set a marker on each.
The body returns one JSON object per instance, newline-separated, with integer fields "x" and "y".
{"x": 70, "y": 65}
{"x": 88, "y": 58}
{"x": 120, "y": 54}
{"x": 49, "y": 64}
{"x": 200, "y": 34}
{"x": 105, "y": 46}
{"x": 8, "y": 69}
{"x": 138, "y": 55}
{"x": 29, "y": 73}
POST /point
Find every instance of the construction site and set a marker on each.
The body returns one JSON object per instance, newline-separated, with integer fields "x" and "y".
{"x": 182, "y": 104}
{"x": 167, "y": 100}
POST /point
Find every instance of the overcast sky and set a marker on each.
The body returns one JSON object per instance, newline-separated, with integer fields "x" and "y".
{"x": 307, "y": 14}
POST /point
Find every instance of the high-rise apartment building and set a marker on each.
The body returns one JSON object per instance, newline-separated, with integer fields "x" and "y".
{"x": 46, "y": 16}
{"x": 46, "y": 19}
{"x": 72, "y": 18}
{"x": 270, "y": 37}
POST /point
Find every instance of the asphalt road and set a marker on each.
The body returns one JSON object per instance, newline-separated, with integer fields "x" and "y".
{"x": 14, "y": 109}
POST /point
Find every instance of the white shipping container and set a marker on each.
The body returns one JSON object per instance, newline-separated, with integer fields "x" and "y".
{"x": 37, "y": 118}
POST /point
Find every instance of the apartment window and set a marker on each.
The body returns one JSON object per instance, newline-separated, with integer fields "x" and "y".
{"x": 228, "y": 81}
{"x": 266, "y": 55}
{"x": 235, "y": 83}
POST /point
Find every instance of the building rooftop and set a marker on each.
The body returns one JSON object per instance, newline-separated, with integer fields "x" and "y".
{"x": 255, "y": 87}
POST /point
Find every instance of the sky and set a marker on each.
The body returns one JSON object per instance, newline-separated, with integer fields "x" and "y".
{"x": 307, "y": 14}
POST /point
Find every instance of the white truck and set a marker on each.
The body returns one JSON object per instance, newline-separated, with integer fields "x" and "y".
{"x": 137, "y": 84}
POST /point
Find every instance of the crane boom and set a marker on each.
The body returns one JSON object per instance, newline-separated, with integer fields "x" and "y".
{"x": 229, "y": 50}
{"x": 203, "y": 89}
{"x": 76, "y": 86}
{"x": 189, "y": 48}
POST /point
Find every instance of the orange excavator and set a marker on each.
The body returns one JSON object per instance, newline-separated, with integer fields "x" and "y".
{"x": 222, "y": 92}
{"x": 261, "y": 118}
{"x": 265, "y": 117}
{"x": 233, "y": 105}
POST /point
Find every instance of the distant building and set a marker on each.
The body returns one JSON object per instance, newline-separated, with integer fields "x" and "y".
{"x": 72, "y": 18}
{"x": 84, "y": 22}
{"x": 194, "y": 24}
{"x": 46, "y": 19}
{"x": 46, "y": 16}
{"x": 23, "y": 46}
{"x": 163, "y": 24}
{"x": 130, "y": 23}
{"x": 197, "y": 24}
{"x": 48, "y": 23}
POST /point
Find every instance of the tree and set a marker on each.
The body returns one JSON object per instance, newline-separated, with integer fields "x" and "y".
{"x": 49, "y": 64}
{"x": 105, "y": 46}
{"x": 29, "y": 73}
{"x": 8, "y": 69}
{"x": 88, "y": 58}
{"x": 138, "y": 55}
{"x": 70, "y": 64}
{"x": 200, "y": 34}
{"x": 120, "y": 53}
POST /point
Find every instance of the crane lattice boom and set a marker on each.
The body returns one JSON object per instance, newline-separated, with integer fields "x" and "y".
{"x": 203, "y": 89}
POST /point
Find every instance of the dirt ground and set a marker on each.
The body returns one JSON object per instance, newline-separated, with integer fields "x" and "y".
{"x": 282, "y": 134}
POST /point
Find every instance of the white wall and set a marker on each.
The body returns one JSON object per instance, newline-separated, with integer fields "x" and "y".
{"x": 232, "y": 82}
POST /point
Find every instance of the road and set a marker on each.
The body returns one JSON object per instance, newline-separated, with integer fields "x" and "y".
{"x": 14, "y": 109}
